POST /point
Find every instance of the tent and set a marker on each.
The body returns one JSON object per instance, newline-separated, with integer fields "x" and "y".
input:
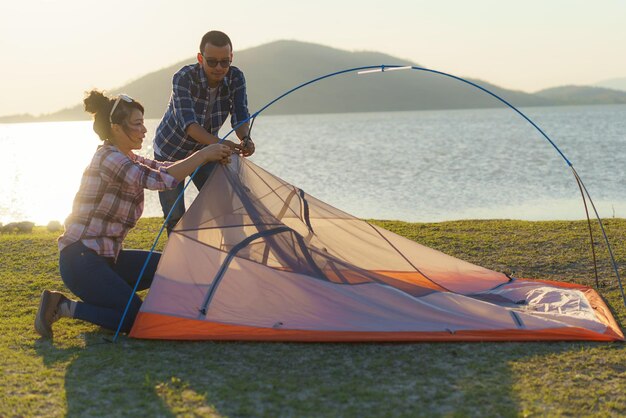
{"x": 255, "y": 258}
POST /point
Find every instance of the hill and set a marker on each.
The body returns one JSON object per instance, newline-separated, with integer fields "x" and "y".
{"x": 274, "y": 68}
{"x": 576, "y": 95}
{"x": 614, "y": 83}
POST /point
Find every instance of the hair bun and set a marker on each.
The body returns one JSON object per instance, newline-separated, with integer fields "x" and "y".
{"x": 96, "y": 101}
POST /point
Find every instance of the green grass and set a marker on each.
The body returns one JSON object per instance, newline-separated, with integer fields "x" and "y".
{"x": 80, "y": 374}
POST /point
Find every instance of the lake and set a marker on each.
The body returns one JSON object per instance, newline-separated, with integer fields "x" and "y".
{"x": 421, "y": 166}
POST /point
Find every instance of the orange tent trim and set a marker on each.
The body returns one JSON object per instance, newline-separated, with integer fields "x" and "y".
{"x": 157, "y": 326}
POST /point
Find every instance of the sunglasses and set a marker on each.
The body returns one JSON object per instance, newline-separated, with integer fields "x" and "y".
{"x": 121, "y": 97}
{"x": 212, "y": 62}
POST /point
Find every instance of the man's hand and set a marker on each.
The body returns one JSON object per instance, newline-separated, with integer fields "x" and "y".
{"x": 247, "y": 147}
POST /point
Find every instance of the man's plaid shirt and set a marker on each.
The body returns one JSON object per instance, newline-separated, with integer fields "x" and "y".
{"x": 110, "y": 199}
{"x": 189, "y": 104}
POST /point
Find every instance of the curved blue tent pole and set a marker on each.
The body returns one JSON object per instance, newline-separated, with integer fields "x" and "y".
{"x": 154, "y": 244}
{"x": 182, "y": 193}
{"x": 383, "y": 68}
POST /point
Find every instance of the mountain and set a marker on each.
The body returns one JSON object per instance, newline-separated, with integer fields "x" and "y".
{"x": 20, "y": 118}
{"x": 274, "y": 68}
{"x": 583, "y": 95}
{"x": 614, "y": 83}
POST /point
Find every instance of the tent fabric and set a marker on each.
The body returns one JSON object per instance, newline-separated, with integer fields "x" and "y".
{"x": 255, "y": 258}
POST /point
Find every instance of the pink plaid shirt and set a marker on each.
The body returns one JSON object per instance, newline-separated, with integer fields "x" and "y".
{"x": 110, "y": 199}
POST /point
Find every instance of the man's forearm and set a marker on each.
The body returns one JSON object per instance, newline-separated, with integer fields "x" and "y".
{"x": 201, "y": 135}
{"x": 243, "y": 131}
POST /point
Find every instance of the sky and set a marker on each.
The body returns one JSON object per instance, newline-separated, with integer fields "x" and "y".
{"x": 54, "y": 50}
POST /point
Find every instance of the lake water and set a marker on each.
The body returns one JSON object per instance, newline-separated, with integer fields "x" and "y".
{"x": 414, "y": 166}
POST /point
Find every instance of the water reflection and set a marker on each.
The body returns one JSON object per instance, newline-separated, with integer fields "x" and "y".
{"x": 414, "y": 166}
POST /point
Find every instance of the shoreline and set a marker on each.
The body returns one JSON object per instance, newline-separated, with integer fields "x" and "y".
{"x": 159, "y": 219}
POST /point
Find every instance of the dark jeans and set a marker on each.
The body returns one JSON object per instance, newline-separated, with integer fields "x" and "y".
{"x": 105, "y": 286}
{"x": 168, "y": 197}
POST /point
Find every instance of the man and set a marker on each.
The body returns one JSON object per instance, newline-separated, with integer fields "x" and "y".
{"x": 203, "y": 96}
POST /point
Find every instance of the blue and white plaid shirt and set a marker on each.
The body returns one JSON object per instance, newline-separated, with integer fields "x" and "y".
{"x": 189, "y": 104}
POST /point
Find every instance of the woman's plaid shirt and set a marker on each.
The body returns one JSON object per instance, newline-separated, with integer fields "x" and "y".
{"x": 110, "y": 199}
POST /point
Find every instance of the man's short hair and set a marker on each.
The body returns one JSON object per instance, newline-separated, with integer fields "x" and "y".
{"x": 217, "y": 38}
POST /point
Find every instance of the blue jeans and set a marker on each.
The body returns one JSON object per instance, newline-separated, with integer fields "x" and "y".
{"x": 105, "y": 286}
{"x": 168, "y": 197}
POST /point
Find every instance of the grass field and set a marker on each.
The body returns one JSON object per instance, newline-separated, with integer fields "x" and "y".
{"x": 81, "y": 374}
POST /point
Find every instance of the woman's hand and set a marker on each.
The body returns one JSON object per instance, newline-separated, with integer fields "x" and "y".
{"x": 235, "y": 148}
{"x": 216, "y": 152}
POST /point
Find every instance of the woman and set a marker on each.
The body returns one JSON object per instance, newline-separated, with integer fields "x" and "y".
{"x": 108, "y": 204}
